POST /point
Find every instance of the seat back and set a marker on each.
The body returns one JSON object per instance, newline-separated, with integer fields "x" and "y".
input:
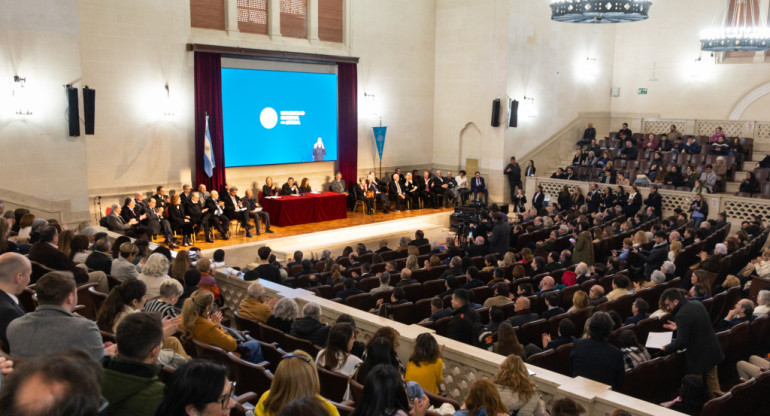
{"x": 84, "y": 298}
{"x": 211, "y": 352}
{"x": 562, "y": 359}
{"x": 442, "y": 325}
{"x": 433, "y": 288}
{"x": 413, "y": 291}
{"x": 361, "y": 301}
{"x": 251, "y": 377}
{"x": 531, "y": 332}
{"x": 291, "y": 343}
{"x": 273, "y": 354}
{"x": 403, "y": 313}
{"x": 333, "y": 385}
{"x": 638, "y": 380}
{"x": 270, "y": 334}
{"x": 245, "y": 324}
{"x": 97, "y": 297}
{"x": 720, "y": 406}
{"x": 553, "y": 323}
{"x": 545, "y": 359}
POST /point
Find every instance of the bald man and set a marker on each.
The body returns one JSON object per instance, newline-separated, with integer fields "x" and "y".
{"x": 15, "y": 271}
{"x": 522, "y": 313}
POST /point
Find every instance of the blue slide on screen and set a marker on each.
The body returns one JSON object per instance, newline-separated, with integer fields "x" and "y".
{"x": 274, "y": 117}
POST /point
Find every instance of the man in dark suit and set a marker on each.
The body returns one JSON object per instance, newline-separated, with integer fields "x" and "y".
{"x": 455, "y": 268}
{"x": 500, "y": 235}
{"x": 186, "y": 195}
{"x": 437, "y": 188}
{"x": 513, "y": 171}
{"x": 654, "y": 258}
{"x": 639, "y": 309}
{"x": 213, "y": 213}
{"x": 553, "y": 262}
{"x": 290, "y": 187}
{"x": 629, "y": 151}
{"x": 396, "y": 194}
{"x": 46, "y": 253}
{"x": 15, "y": 271}
{"x": 522, "y": 314}
{"x": 695, "y": 335}
{"x": 116, "y": 223}
{"x": 595, "y": 358}
{"x": 350, "y": 289}
{"x": 593, "y": 198}
{"x": 463, "y": 318}
{"x": 655, "y": 201}
{"x": 552, "y": 301}
{"x": 424, "y": 189}
{"x": 479, "y": 186}
{"x": 419, "y": 239}
{"x": 383, "y": 246}
{"x": 100, "y": 258}
{"x": 160, "y": 197}
{"x": 235, "y": 209}
{"x": 253, "y": 208}
{"x": 157, "y": 224}
{"x": 742, "y": 312}
{"x": 477, "y": 247}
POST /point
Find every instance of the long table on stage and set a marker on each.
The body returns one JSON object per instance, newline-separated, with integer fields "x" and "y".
{"x": 293, "y": 210}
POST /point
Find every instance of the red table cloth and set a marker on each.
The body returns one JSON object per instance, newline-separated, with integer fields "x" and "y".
{"x": 293, "y": 210}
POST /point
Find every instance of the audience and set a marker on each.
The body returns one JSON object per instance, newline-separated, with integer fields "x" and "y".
{"x": 285, "y": 312}
{"x": 170, "y": 292}
{"x": 199, "y": 387}
{"x": 252, "y": 307}
{"x": 309, "y": 326}
{"x": 517, "y": 391}
{"x": 123, "y": 300}
{"x": 15, "y": 271}
{"x": 337, "y": 355}
{"x": 594, "y": 357}
{"x": 425, "y": 366}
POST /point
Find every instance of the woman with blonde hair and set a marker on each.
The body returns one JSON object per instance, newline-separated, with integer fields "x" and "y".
{"x": 579, "y": 301}
{"x": 517, "y": 391}
{"x": 154, "y": 273}
{"x": 200, "y": 323}
{"x": 65, "y": 239}
{"x": 269, "y": 188}
{"x": 411, "y": 263}
{"x": 509, "y": 259}
{"x": 640, "y": 238}
{"x": 295, "y": 377}
{"x": 674, "y": 250}
{"x": 483, "y": 399}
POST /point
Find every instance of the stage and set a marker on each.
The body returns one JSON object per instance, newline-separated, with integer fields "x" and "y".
{"x": 333, "y": 235}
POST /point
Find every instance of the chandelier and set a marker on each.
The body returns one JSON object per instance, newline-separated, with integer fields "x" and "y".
{"x": 739, "y": 27}
{"x": 599, "y": 11}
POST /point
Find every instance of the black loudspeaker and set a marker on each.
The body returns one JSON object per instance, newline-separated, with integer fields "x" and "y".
{"x": 73, "y": 112}
{"x": 495, "y": 112}
{"x": 513, "y": 121}
{"x": 89, "y": 103}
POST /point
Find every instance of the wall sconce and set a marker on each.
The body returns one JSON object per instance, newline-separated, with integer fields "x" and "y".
{"x": 528, "y": 108}
{"x": 20, "y": 96}
{"x": 169, "y": 110}
{"x": 370, "y": 107}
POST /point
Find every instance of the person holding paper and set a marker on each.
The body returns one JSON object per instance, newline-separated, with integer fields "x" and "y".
{"x": 695, "y": 335}
{"x": 256, "y": 212}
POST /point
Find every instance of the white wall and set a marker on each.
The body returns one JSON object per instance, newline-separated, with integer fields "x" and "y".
{"x": 39, "y": 41}
{"x": 670, "y": 40}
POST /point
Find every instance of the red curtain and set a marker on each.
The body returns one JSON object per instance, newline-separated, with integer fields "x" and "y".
{"x": 208, "y": 100}
{"x": 347, "y": 121}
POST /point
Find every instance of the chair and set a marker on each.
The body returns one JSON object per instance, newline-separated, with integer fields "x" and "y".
{"x": 250, "y": 377}
{"x": 421, "y": 309}
{"x": 84, "y": 298}
{"x": 433, "y": 288}
{"x": 442, "y": 325}
{"x": 211, "y": 352}
{"x": 270, "y": 334}
{"x": 362, "y": 204}
{"x": 718, "y": 407}
{"x": 742, "y": 397}
{"x": 247, "y": 325}
{"x": 413, "y": 292}
{"x": 356, "y": 390}
{"x": 97, "y": 297}
{"x": 562, "y": 359}
{"x": 758, "y": 334}
{"x": 580, "y": 316}
{"x": 361, "y": 301}
{"x": 272, "y": 353}
{"x": 638, "y": 380}
{"x": 113, "y": 281}
{"x": 333, "y": 385}
{"x": 291, "y": 343}
{"x": 531, "y": 332}
{"x": 403, "y": 313}
{"x": 545, "y": 359}
{"x": 553, "y": 323}
{"x": 27, "y": 299}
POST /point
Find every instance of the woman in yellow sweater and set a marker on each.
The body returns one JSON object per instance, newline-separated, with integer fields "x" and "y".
{"x": 424, "y": 366}
{"x": 295, "y": 377}
{"x": 200, "y": 324}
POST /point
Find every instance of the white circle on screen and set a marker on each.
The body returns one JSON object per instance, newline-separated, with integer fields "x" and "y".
{"x": 268, "y": 117}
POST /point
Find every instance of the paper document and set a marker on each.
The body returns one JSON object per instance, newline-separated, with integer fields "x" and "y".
{"x": 658, "y": 340}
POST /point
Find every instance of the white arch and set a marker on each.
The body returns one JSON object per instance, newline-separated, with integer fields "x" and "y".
{"x": 744, "y": 102}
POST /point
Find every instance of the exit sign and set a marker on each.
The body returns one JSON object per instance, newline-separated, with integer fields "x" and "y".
{"x": 642, "y": 91}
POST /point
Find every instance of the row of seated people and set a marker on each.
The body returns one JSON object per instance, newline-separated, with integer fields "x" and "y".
{"x": 696, "y": 178}
{"x": 128, "y": 370}
{"x": 186, "y": 213}
{"x": 673, "y": 141}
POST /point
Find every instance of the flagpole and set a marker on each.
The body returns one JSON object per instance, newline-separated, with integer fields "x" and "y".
{"x": 381, "y": 155}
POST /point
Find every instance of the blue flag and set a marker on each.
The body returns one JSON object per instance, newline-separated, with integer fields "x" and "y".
{"x": 208, "y": 152}
{"x": 379, "y": 139}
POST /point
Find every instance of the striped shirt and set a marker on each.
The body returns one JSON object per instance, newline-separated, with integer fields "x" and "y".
{"x": 156, "y": 305}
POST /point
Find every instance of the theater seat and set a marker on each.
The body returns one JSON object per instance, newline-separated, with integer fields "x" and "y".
{"x": 718, "y": 407}
{"x": 638, "y": 380}
{"x": 249, "y": 376}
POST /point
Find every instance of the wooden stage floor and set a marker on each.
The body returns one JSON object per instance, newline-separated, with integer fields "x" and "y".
{"x": 353, "y": 219}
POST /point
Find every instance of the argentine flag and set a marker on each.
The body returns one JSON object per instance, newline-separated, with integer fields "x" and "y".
{"x": 208, "y": 152}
